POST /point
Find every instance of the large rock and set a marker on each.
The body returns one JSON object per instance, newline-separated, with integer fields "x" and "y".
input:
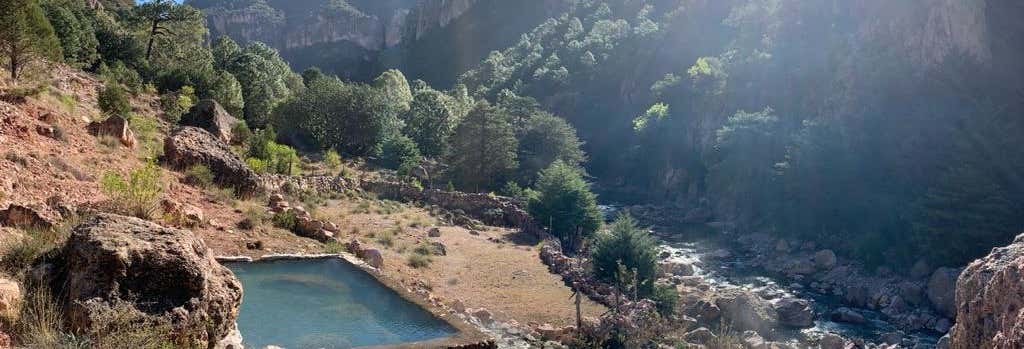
{"x": 825, "y": 259}
{"x": 210, "y": 116}
{"x": 161, "y": 274}
{"x": 10, "y": 298}
{"x": 114, "y": 126}
{"x": 848, "y": 315}
{"x": 990, "y": 301}
{"x": 188, "y": 146}
{"x": 747, "y": 312}
{"x": 795, "y": 312}
{"x": 942, "y": 290}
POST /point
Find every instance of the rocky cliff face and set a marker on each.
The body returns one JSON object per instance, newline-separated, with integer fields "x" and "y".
{"x": 990, "y": 301}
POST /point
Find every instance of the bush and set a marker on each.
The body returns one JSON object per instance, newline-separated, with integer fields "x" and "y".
{"x": 332, "y": 159}
{"x": 273, "y": 157}
{"x": 17, "y": 254}
{"x": 240, "y": 133}
{"x": 623, "y": 250}
{"x": 113, "y": 100}
{"x": 136, "y": 195}
{"x": 176, "y": 104}
{"x": 417, "y": 260}
{"x": 285, "y": 220}
{"x": 400, "y": 153}
{"x": 666, "y": 297}
{"x": 199, "y": 176}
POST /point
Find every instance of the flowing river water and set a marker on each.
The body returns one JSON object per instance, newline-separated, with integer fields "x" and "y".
{"x": 718, "y": 263}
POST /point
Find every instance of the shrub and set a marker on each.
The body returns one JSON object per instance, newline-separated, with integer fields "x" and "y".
{"x": 400, "y": 153}
{"x": 285, "y": 220}
{"x": 176, "y": 104}
{"x": 626, "y": 249}
{"x": 666, "y": 297}
{"x": 199, "y": 176}
{"x": 257, "y": 165}
{"x": 113, "y": 100}
{"x": 417, "y": 260}
{"x": 136, "y": 195}
{"x": 17, "y": 254}
{"x": 332, "y": 159}
{"x": 240, "y": 133}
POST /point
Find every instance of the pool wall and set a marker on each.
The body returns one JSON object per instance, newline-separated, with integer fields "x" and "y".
{"x": 466, "y": 336}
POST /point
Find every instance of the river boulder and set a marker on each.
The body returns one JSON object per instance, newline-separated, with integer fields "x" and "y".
{"x": 990, "y": 301}
{"x": 942, "y": 290}
{"x": 795, "y": 312}
{"x": 188, "y": 146}
{"x": 747, "y": 312}
{"x": 161, "y": 274}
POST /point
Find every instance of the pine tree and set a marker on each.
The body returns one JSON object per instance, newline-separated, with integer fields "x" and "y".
{"x": 483, "y": 148}
{"x": 565, "y": 204}
{"x": 25, "y": 34}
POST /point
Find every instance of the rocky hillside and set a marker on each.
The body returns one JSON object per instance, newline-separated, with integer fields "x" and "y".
{"x": 990, "y": 301}
{"x": 356, "y": 38}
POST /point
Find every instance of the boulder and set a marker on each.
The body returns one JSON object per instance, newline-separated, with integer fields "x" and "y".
{"x": 675, "y": 268}
{"x": 825, "y": 259}
{"x": 832, "y": 341}
{"x": 990, "y": 301}
{"x": 161, "y": 274}
{"x": 483, "y": 315}
{"x": 188, "y": 146}
{"x": 434, "y": 232}
{"x": 372, "y": 256}
{"x": 795, "y": 312}
{"x": 210, "y": 116}
{"x": 920, "y": 270}
{"x": 848, "y": 315}
{"x": 10, "y": 298}
{"x": 747, "y": 312}
{"x": 114, "y": 126}
{"x": 942, "y": 290}
{"x": 700, "y": 335}
{"x": 698, "y": 215}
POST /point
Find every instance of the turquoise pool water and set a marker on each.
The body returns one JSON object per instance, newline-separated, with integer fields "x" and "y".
{"x": 326, "y": 304}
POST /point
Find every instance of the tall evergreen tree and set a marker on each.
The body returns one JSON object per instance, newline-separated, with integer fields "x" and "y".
{"x": 565, "y": 204}
{"x": 25, "y": 34}
{"x": 483, "y": 148}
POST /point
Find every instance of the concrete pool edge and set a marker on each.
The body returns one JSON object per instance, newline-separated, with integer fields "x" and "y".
{"x": 467, "y": 336}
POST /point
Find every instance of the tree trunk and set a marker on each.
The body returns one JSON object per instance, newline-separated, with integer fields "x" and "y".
{"x": 152, "y": 37}
{"x": 14, "y": 65}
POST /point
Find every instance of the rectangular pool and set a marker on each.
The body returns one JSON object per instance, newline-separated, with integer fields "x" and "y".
{"x": 326, "y": 304}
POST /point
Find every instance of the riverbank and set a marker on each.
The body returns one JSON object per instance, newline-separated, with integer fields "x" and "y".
{"x": 813, "y": 291}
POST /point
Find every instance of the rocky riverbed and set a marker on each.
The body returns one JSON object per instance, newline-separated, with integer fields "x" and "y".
{"x": 807, "y": 293}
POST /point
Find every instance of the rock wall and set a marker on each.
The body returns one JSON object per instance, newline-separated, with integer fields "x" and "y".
{"x": 990, "y": 301}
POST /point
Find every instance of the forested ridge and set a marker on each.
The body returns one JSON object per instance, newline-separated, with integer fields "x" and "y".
{"x": 890, "y": 132}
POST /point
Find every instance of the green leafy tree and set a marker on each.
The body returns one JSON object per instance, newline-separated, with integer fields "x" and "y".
{"x": 25, "y": 35}
{"x": 400, "y": 153}
{"x": 73, "y": 24}
{"x": 311, "y": 74}
{"x": 265, "y": 79}
{"x": 625, "y": 246}
{"x": 226, "y": 90}
{"x": 565, "y": 204}
{"x": 546, "y": 139}
{"x": 431, "y": 121}
{"x": 395, "y": 88}
{"x": 743, "y": 165}
{"x": 160, "y": 16}
{"x": 352, "y": 118}
{"x": 483, "y": 148}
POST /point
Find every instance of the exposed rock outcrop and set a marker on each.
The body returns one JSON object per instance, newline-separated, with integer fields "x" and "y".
{"x": 161, "y": 273}
{"x": 189, "y": 146}
{"x": 990, "y": 301}
{"x": 114, "y": 126}
{"x": 211, "y": 116}
{"x": 795, "y": 312}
